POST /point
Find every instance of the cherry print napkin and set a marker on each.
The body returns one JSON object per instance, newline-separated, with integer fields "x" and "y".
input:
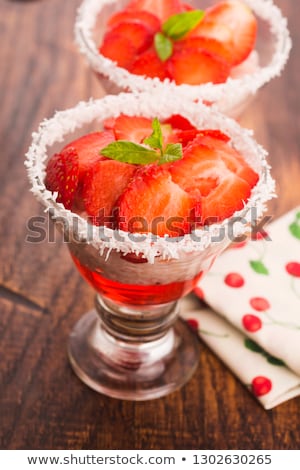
{"x": 253, "y": 323}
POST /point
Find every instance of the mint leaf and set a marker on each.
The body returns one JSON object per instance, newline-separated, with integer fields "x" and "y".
{"x": 259, "y": 267}
{"x": 171, "y": 153}
{"x": 163, "y": 46}
{"x": 253, "y": 346}
{"x": 155, "y": 140}
{"x": 177, "y": 26}
{"x": 275, "y": 361}
{"x": 294, "y": 228}
{"x": 129, "y": 152}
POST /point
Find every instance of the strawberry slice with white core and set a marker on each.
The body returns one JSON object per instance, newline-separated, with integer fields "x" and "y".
{"x": 152, "y": 202}
{"x": 224, "y": 187}
{"x": 162, "y": 8}
{"x": 88, "y": 148}
{"x": 197, "y": 66}
{"x": 132, "y": 128}
{"x": 102, "y": 186}
{"x": 62, "y": 176}
{"x": 239, "y": 19}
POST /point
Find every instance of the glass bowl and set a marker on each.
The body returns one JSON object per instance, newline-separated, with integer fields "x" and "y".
{"x": 133, "y": 345}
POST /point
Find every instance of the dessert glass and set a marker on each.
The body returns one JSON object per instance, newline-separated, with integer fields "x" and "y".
{"x": 133, "y": 345}
{"x": 271, "y": 53}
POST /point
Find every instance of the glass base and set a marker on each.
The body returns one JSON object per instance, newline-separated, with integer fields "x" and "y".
{"x": 136, "y": 370}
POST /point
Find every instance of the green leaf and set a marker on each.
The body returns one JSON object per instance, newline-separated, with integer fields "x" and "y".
{"x": 253, "y": 346}
{"x": 171, "y": 153}
{"x": 294, "y": 228}
{"x": 177, "y": 26}
{"x": 163, "y": 46}
{"x": 259, "y": 267}
{"x": 275, "y": 361}
{"x": 155, "y": 140}
{"x": 129, "y": 152}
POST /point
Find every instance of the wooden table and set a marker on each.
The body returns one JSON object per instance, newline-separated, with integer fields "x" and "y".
{"x": 42, "y": 403}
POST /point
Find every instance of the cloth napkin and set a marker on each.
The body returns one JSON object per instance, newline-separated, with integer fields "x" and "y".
{"x": 253, "y": 323}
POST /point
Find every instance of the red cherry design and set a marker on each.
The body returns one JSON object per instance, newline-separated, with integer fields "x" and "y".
{"x": 261, "y": 386}
{"x": 199, "y": 292}
{"x": 260, "y": 304}
{"x": 234, "y": 280}
{"x": 193, "y": 323}
{"x": 293, "y": 268}
{"x": 251, "y": 323}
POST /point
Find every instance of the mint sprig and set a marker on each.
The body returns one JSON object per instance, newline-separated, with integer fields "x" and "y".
{"x": 130, "y": 152}
{"x": 175, "y": 28}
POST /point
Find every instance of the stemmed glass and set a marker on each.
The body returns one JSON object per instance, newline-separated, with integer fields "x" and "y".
{"x": 133, "y": 345}
{"x": 272, "y": 49}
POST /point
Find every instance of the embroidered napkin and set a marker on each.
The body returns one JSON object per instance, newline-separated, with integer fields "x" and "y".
{"x": 253, "y": 325}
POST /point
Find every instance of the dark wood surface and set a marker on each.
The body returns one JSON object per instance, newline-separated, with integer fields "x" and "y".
{"x": 42, "y": 403}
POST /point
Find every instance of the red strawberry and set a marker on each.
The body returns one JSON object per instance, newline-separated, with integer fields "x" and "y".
{"x": 196, "y": 66}
{"x": 238, "y": 17}
{"x": 88, "y": 149}
{"x": 187, "y": 136}
{"x": 179, "y": 122}
{"x": 132, "y": 128}
{"x": 211, "y": 45}
{"x": 137, "y": 33}
{"x": 62, "y": 176}
{"x": 211, "y": 29}
{"x": 162, "y": 8}
{"x": 102, "y": 186}
{"x": 233, "y": 159}
{"x": 145, "y": 17}
{"x": 152, "y": 202}
{"x": 148, "y": 63}
{"x": 118, "y": 48}
{"x": 186, "y": 7}
{"x": 202, "y": 169}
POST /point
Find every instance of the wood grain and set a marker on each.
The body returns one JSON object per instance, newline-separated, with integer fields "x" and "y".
{"x": 42, "y": 404}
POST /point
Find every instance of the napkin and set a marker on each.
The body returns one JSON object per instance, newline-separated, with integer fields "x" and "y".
{"x": 253, "y": 323}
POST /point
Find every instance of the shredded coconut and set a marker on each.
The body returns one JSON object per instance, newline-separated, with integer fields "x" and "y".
{"x": 227, "y": 96}
{"x": 148, "y": 105}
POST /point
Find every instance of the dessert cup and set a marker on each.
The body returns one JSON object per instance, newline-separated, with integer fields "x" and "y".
{"x": 271, "y": 53}
{"x": 132, "y": 345}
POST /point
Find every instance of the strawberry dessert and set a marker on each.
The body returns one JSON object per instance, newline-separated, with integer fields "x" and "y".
{"x": 171, "y": 39}
{"x": 220, "y": 52}
{"x": 141, "y": 175}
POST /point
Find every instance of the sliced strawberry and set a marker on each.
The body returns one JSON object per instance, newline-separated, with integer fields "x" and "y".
{"x": 232, "y": 159}
{"x": 145, "y": 17}
{"x": 149, "y": 64}
{"x": 205, "y": 169}
{"x": 62, "y": 176}
{"x": 196, "y": 66}
{"x": 179, "y": 122}
{"x": 132, "y": 128}
{"x": 211, "y": 29}
{"x": 162, "y": 8}
{"x": 152, "y": 202}
{"x": 187, "y": 136}
{"x": 138, "y": 34}
{"x": 109, "y": 123}
{"x": 118, "y": 48}
{"x": 211, "y": 45}
{"x": 102, "y": 186}
{"x": 242, "y": 23}
{"x": 88, "y": 149}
